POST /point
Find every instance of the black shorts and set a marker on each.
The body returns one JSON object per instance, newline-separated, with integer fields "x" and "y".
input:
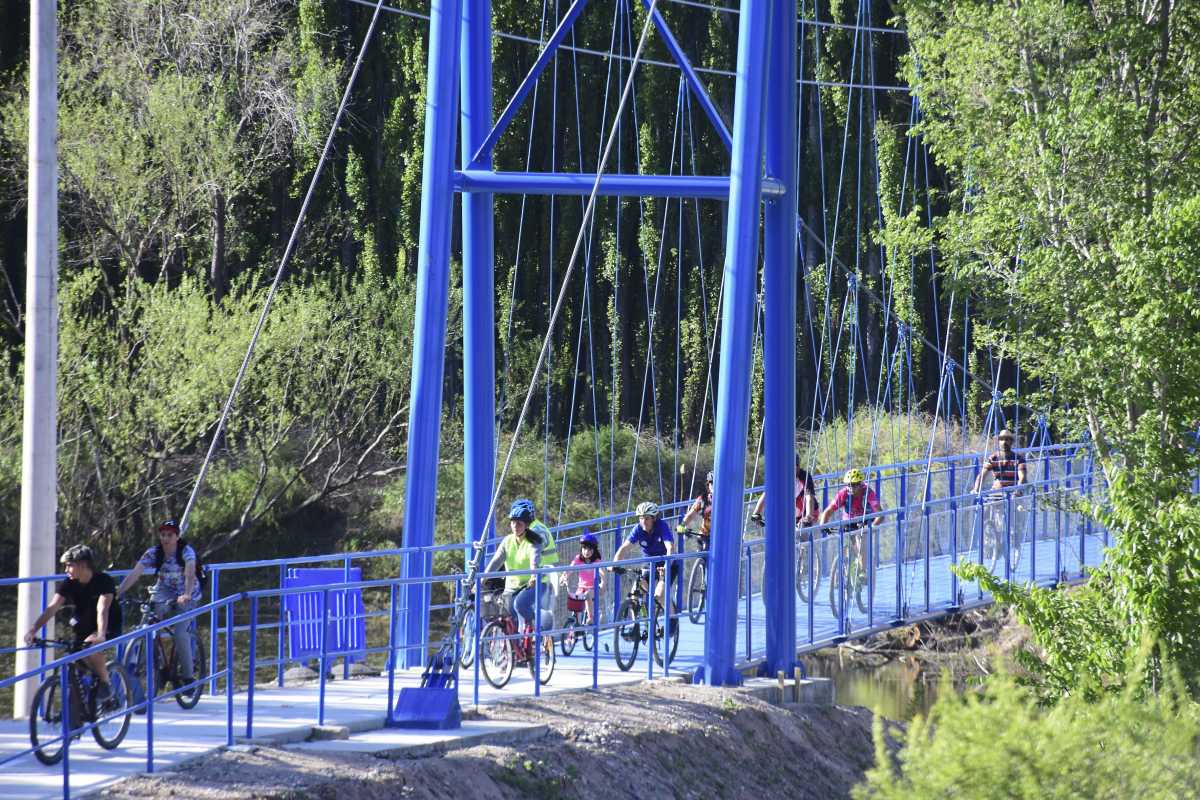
{"x": 677, "y": 568}
{"x": 80, "y": 636}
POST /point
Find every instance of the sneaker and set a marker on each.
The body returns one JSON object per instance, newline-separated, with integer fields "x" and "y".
{"x": 104, "y": 694}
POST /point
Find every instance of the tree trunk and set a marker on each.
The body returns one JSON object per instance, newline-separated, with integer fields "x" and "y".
{"x": 218, "y": 279}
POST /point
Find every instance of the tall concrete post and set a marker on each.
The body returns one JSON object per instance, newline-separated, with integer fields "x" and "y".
{"x": 39, "y": 489}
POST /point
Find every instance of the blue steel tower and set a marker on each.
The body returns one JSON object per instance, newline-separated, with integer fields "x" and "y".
{"x": 761, "y": 191}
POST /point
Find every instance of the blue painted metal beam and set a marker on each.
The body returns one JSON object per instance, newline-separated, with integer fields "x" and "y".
{"x": 479, "y": 327}
{"x": 715, "y": 187}
{"x": 689, "y": 74}
{"x": 779, "y": 345}
{"x": 484, "y": 151}
{"x": 429, "y": 328}
{"x": 737, "y": 317}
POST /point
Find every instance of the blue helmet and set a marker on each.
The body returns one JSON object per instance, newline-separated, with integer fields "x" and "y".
{"x": 588, "y": 538}
{"x": 522, "y": 509}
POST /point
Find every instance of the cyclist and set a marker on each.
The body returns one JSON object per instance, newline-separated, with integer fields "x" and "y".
{"x": 653, "y": 536}
{"x": 1006, "y": 466}
{"x": 525, "y": 547}
{"x": 97, "y": 615}
{"x": 807, "y": 507}
{"x": 585, "y": 586}
{"x": 700, "y": 509}
{"x": 855, "y": 500}
{"x": 174, "y": 562}
{"x": 1007, "y": 469}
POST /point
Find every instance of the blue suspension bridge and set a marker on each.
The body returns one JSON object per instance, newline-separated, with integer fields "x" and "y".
{"x": 770, "y": 594}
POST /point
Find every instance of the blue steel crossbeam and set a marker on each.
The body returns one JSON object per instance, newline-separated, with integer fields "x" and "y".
{"x": 713, "y": 187}
{"x": 763, "y": 134}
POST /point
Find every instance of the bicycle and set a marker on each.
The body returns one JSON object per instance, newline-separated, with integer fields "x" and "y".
{"x": 577, "y": 626}
{"x": 629, "y": 633}
{"x": 994, "y": 514}
{"x": 805, "y": 542}
{"x": 166, "y": 660}
{"x": 489, "y": 608}
{"x": 697, "y": 585}
{"x": 109, "y": 720}
{"x": 500, "y": 652}
{"x": 848, "y": 570}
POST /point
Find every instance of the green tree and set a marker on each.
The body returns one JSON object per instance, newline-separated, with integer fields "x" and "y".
{"x": 1070, "y": 131}
{"x": 998, "y": 743}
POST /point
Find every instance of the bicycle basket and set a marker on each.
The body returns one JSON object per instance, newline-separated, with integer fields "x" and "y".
{"x": 575, "y": 605}
{"x": 491, "y": 604}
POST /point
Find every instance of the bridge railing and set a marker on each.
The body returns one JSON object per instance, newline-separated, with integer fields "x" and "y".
{"x": 940, "y": 479}
{"x": 73, "y": 728}
{"x": 904, "y": 552}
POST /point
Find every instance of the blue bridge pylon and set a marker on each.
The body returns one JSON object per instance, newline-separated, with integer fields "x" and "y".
{"x": 762, "y": 169}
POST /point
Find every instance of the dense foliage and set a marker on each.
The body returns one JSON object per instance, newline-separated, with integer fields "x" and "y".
{"x": 189, "y": 129}
{"x": 997, "y": 743}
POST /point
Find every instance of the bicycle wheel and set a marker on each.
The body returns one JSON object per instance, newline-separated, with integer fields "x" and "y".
{"x": 189, "y": 698}
{"x": 45, "y": 721}
{"x": 696, "y": 589}
{"x": 627, "y": 635}
{"x": 546, "y": 669}
{"x": 802, "y": 574}
{"x": 858, "y": 583}
{"x": 109, "y": 733}
{"x": 836, "y": 576}
{"x": 585, "y": 634}
{"x": 466, "y": 635}
{"x": 495, "y": 655}
{"x": 663, "y": 641}
{"x": 992, "y": 535}
{"x": 566, "y": 639}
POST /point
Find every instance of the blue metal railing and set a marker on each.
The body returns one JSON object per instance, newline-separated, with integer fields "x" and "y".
{"x": 901, "y": 552}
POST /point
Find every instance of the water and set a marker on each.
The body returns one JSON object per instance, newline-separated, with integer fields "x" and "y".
{"x": 898, "y": 689}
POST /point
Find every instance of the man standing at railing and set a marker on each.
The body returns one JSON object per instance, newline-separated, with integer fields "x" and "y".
{"x": 175, "y": 587}
{"x": 97, "y": 617}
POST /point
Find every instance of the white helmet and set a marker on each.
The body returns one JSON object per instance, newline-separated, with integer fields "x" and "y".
{"x": 647, "y": 509}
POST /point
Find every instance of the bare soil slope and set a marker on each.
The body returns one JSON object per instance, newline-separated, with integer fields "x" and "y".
{"x": 660, "y": 739}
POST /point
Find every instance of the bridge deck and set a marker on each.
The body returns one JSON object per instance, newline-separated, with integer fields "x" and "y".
{"x": 361, "y": 703}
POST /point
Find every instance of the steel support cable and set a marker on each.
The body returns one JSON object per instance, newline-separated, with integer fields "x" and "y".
{"x": 558, "y": 305}
{"x": 512, "y": 298}
{"x": 584, "y": 317}
{"x": 649, "y": 374}
{"x": 637, "y": 154}
{"x": 710, "y": 336}
{"x": 279, "y": 272}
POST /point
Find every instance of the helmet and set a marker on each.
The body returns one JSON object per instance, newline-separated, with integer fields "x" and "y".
{"x": 588, "y": 538}
{"x": 1005, "y": 434}
{"x": 168, "y": 525}
{"x": 647, "y": 509}
{"x": 709, "y": 478}
{"x": 853, "y": 476}
{"x": 80, "y": 552}
{"x": 522, "y": 509}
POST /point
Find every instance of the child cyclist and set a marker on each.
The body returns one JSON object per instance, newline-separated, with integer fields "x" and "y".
{"x": 585, "y": 587}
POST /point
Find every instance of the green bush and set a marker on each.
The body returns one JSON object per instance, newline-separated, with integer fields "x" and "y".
{"x": 1001, "y": 742}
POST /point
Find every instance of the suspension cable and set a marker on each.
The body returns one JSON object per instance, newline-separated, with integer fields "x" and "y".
{"x": 562, "y": 294}
{"x": 283, "y": 264}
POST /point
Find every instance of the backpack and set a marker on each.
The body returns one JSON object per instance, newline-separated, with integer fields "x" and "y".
{"x": 160, "y": 556}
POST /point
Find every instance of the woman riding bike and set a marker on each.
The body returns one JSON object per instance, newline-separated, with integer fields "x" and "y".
{"x": 523, "y": 549}
{"x": 855, "y": 500}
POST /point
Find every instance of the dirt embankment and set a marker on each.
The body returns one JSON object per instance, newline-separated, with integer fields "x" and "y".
{"x": 660, "y": 739}
{"x": 968, "y": 644}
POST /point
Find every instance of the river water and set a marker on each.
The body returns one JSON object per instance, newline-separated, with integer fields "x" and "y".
{"x": 898, "y": 689}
